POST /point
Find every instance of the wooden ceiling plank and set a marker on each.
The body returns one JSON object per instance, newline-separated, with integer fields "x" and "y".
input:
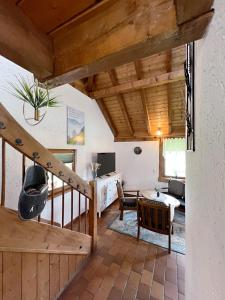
{"x": 140, "y": 84}
{"x": 138, "y": 69}
{"x": 190, "y": 9}
{"x": 106, "y": 48}
{"x": 22, "y": 43}
{"x": 114, "y": 80}
{"x": 107, "y": 116}
{"x": 49, "y": 15}
{"x": 85, "y": 15}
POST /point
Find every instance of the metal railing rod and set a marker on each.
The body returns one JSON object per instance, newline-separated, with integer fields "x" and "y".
{"x": 71, "y": 219}
{"x": 63, "y": 203}
{"x": 52, "y": 198}
{"x": 79, "y": 221}
{"x": 85, "y": 214}
{"x": 3, "y": 173}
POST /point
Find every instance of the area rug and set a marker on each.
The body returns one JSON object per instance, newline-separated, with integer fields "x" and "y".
{"x": 129, "y": 226}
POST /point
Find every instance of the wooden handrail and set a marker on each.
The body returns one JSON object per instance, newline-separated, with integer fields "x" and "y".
{"x": 11, "y": 132}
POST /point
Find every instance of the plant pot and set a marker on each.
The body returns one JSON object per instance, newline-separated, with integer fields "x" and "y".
{"x": 36, "y": 115}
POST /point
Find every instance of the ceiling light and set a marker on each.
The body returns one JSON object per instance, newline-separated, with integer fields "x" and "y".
{"x": 159, "y": 132}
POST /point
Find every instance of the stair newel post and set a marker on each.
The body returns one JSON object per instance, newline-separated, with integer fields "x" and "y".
{"x": 3, "y": 173}
{"x": 71, "y": 221}
{"x": 52, "y": 200}
{"x": 93, "y": 215}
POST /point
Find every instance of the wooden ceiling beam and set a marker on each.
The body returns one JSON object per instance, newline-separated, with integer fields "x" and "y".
{"x": 90, "y": 83}
{"x": 121, "y": 138}
{"x": 119, "y": 34}
{"x": 138, "y": 70}
{"x": 190, "y": 9}
{"x": 123, "y": 107}
{"x": 107, "y": 116}
{"x": 80, "y": 85}
{"x": 139, "y": 84}
{"x": 22, "y": 43}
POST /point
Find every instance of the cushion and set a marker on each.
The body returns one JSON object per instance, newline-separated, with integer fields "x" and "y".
{"x": 176, "y": 188}
{"x": 129, "y": 202}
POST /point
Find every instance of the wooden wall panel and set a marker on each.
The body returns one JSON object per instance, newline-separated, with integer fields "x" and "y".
{"x": 12, "y": 276}
{"x": 43, "y": 276}
{"x": 54, "y": 276}
{"x": 29, "y": 276}
{"x": 0, "y": 275}
{"x": 72, "y": 265}
{"x": 64, "y": 270}
{"x": 35, "y": 276}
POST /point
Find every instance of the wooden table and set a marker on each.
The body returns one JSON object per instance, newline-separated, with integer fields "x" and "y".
{"x": 166, "y": 199}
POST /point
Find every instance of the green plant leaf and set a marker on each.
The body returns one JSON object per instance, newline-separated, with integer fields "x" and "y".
{"x": 32, "y": 94}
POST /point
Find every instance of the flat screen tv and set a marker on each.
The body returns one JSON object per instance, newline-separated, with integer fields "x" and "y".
{"x": 107, "y": 162}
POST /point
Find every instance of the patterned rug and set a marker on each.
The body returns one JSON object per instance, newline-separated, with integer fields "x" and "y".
{"x": 129, "y": 226}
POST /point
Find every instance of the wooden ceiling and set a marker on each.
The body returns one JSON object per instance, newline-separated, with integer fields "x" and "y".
{"x": 127, "y": 54}
{"x": 138, "y": 98}
{"x": 51, "y": 15}
{"x": 61, "y": 41}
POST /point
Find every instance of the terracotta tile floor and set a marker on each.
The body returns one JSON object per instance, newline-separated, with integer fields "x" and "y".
{"x": 123, "y": 268}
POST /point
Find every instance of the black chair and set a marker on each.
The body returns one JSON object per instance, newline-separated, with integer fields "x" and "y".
{"x": 176, "y": 188}
{"x": 127, "y": 201}
{"x": 34, "y": 193}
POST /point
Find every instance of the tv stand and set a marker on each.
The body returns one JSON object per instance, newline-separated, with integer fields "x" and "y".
{"x": 106, "y": 190}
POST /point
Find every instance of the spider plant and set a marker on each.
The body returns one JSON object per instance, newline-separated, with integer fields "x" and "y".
{"x": 33, "y": 94}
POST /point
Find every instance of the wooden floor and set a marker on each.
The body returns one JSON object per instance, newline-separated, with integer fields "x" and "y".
{"x": 123, "y": 268}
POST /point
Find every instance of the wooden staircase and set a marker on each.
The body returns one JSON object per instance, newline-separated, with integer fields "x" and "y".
{"x": 38, "y": 260}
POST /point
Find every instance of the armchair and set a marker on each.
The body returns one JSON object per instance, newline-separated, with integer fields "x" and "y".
{"x": 176, "y": 188}
{"x": 127, "y": 201}
{"x": 155, "y": 216}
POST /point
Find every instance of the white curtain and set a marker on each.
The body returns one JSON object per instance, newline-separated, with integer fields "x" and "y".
{"x": 174, "y": 156}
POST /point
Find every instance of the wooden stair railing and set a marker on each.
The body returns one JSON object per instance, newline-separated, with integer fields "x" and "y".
{"x": 16, "y": 136}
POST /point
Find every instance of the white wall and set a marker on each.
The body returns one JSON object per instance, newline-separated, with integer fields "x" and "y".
{"x": 138, "y": 171}
{"x": 205, "y": 228}
{"x": 51, "y": 132}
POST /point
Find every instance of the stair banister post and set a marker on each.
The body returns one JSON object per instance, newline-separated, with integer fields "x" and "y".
{"x": 93, "y": 215}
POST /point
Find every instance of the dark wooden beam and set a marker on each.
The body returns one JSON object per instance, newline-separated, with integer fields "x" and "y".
{"x": 190, "y": 9}
{"x": 139, "y": 84}
{"x": 138, "y": 69}
{"x": 22, "y": 43}
{"x": 79, "y": 85}
{"x": 107, "y": 117}
{"x": 121, "y": 138}
{"x": 114, "y": 80}
{"x": 120, "y": 34}
{"x": 90, "y": 83}
{"x": 168, "y": 69}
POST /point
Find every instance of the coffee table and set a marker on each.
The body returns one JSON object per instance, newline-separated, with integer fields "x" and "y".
{"x": 166, "y": 199}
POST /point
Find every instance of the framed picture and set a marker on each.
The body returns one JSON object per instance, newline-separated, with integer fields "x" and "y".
{"x": 190, "y": 99}
{"x": 75, "y": 127}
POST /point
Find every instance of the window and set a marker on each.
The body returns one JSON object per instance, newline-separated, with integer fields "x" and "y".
{"x": 172, "y": 162}
{"x": 68, "y": 157}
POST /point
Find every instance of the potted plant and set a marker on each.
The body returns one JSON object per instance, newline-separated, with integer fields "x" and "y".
{"x": 31, "y": 93}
